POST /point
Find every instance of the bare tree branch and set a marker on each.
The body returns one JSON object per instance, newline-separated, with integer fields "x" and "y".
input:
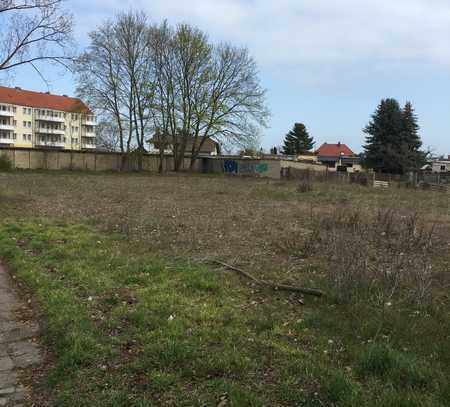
{"x": 114, "y": 76}
{"x": 34, "y": 31}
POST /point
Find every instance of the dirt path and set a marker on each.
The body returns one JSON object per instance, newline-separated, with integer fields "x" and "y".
{"x": 18, "y": 347}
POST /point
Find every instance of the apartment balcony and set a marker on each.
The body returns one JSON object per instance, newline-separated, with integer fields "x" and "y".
{"x": 53, "y": 144}
{"x": 42, "y": 130}
{"x": 7, "y": 113}
{"x": 89, "y": 121}
{"x": 7, "y": 127}
{"x": 46, "y": 118}
{"x": 90, "y": 134}
{"x": 6, "y": 140}
{"x": 88, "y": 146}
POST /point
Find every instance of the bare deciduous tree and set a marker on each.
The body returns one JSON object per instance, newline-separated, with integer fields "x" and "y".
{"x": 233, "y": 109}
{"x": 33, "y": 31}
{"x": 114, "y": 76}
{"x": 107, "y": 135}
{"x": 205, "y": 92}
{"x": 173, "y": 82}
{"x": 132, "y": 35}
{"x": 164, "y": 91}
{"x": 98, "y": 75}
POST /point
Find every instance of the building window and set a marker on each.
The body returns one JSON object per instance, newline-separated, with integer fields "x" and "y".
{"x": 14, "y": 109}
{"x": 24, "y": 124}
{"x": 29, "y": 137}
{"x": 15, "y": 136}
{"x": 443, "y": 168}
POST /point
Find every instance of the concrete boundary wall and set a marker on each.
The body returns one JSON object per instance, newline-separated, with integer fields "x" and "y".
{"x": 264, "y": 168}
{"x": 302, "y": 165}
{"x": 44, "y": 159}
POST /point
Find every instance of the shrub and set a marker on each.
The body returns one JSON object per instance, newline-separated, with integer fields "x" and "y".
{"x": 375, "y": 259}
{"x": 5, "y": 163}
{"x": 304, "y": 187}
{"x": 390, "y": 365}
{"x": 339, "y": 389}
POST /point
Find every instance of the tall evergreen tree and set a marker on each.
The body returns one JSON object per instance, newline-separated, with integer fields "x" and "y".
{"x": 298, "y": 140}
{"x": 412, "y": 157}
{"x": 393, "y": 141}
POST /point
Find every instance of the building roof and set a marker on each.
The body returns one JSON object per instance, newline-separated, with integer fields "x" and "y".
{"x": 39, "y": 100}
{"x": 208, "y": 145}
{"x": 334, "y": 150}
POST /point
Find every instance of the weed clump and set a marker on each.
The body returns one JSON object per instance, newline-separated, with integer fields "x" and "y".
{"x": 400, "y": 369}
{"x": 304, "y": 187}
{"x": 378, "y": 260}
{"x": 5, "y": 163}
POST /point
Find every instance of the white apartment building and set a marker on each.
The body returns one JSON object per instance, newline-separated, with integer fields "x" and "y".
{"x": 41, "y": 120}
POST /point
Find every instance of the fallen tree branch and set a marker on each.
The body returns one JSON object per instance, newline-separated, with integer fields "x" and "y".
{"x": 277, "y": 287}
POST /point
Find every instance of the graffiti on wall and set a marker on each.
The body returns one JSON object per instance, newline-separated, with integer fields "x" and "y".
{"x": 261, "y": 168}
{"x": 244, "y": 168}
{"x": 230, "y": 166}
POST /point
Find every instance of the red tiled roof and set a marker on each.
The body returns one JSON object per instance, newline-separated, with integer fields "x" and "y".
{"x": 15, "y": 96}
{"x": 334, "y": 150}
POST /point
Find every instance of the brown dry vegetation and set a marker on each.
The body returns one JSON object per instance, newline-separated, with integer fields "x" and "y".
{"x": 326, "y": 235}
{"x": 246, "y": 221}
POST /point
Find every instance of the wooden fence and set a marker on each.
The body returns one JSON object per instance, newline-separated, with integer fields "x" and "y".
{"x": 308, "y": 175}
{"x": 433, "y": 182}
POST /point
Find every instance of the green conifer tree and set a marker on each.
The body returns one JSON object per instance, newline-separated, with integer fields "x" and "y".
{"x": 393, "y": 142}
{"x": 298, "y": 140}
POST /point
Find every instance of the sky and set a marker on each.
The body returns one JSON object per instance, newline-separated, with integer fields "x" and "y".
{"x": 325, "y": 63}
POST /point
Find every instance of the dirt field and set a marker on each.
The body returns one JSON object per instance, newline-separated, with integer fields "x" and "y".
{"x": 246, "y": 221}
{"x": 101, "y": 236}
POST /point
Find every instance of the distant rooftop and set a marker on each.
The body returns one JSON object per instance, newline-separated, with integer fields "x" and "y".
{"x": 334, "y": 150}
{"x": 39, "y": 100}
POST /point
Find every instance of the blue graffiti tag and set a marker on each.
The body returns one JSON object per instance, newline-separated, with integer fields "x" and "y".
{"x": 230, "y": 166}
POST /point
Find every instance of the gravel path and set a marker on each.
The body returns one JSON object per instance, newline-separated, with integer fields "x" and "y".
{"x": 18, "y": 347}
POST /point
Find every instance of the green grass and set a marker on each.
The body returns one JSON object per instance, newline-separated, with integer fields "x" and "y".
{"x": 402, "y": 370}
{"x": 128, "y": 328}
{"x": 133, "y": 317}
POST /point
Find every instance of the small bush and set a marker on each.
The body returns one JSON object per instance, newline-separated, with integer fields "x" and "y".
{"x": 388, "y": 364}
{"x": 339, "y": 389}
{"x": 378, "y": 259}
{"x": 304, "y": 187}
{"x": 5, "y": 163}
{"x": 406, "y": 398}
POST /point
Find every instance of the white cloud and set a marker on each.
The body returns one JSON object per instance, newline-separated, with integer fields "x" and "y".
{"x": 305, "y": 31}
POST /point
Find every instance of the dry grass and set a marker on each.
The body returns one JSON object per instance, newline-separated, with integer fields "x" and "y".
{"x": 243, "y": 221}
{"x": 259, "y": 343}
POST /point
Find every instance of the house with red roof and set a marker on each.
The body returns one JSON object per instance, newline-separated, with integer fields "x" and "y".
{"x": 338, "y": 157}
{"x": 41, "y": 120}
